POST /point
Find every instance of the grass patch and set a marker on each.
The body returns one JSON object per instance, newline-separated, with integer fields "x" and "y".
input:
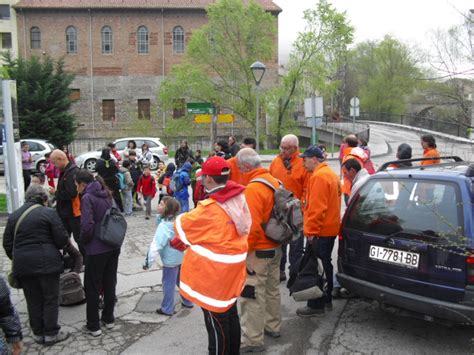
{"x": 3, "y": 203}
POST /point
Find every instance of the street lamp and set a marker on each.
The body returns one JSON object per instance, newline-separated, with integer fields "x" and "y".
{"x": 258, "y": 70}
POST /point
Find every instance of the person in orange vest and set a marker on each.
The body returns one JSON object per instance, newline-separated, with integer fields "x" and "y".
{"x": 260, "y": 301}
{"x": 288, "y": 168}
{"x": 214, "y": 266}
{"x": 321, "y": 222}
{"x": 235, "y": 174}
{"x": 352, "y": 142}
{"x": 428, "y": 142}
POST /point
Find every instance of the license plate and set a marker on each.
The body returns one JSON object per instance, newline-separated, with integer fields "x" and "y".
{"x": 394, "y": 256}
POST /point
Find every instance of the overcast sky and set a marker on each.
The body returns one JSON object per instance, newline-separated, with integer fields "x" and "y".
{"x": 407, "y": 20}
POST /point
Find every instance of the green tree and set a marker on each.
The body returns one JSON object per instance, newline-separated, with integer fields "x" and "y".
{"x": 216, "y": 66}
{"x": 383, "y": 74}
{"x": 313, "y": 63}
{"x": 43, "y": 98}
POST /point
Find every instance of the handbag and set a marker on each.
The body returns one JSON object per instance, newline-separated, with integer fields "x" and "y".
{"x": 112, "y": 228}
{"x": 306, "y": 282}
{"x": 12, "y": 280}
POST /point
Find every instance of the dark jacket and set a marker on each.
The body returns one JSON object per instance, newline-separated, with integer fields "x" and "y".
{"x": 107, "y": 170}
{"x": 66, "y": 191}
{"x": 9, "y": 320}
{"x": 135, "y": 171}
{"x": 170, "y": 168}
{"x": 234, "y": 149}
{"x": 181, "y": 156}
{"x": 39, "y": 237}
{"x": 95, "y": 202}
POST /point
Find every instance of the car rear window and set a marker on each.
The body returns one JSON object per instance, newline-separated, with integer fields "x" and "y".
{"x": 416, "y": 209}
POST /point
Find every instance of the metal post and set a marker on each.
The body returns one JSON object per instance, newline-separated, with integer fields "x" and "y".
{"x": 257, "y": 129}
{"x": 313, "y": 118}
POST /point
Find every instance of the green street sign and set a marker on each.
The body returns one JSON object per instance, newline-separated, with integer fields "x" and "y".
{"x": 199, "y": 108}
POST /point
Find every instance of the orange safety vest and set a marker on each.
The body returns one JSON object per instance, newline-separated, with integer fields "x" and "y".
{"x": 213, "y": 271}
{"x": 430, "y": 153}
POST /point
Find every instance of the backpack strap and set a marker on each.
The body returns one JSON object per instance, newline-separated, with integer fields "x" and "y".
{"x": 265, "y": 182}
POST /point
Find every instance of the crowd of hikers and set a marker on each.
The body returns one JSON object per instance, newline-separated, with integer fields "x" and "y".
{"x": 217, "y": 250}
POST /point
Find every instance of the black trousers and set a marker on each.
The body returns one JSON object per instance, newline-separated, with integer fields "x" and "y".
{"x": 73, "y": 226}
{"x": 100, "y": 275}
{"x": 42, "y": 300}
{"x": 223, "y": 330}
{"x": 322, "y": 248}
{"x": 118, "y": 199}
{"x": 26, "y": 178}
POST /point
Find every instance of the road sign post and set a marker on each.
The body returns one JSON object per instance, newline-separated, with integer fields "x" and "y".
{"x": 355, "y": 102}
{"x": 314, "y": 108}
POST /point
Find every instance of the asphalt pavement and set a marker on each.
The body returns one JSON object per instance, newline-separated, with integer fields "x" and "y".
{"x": 353, "y": 326}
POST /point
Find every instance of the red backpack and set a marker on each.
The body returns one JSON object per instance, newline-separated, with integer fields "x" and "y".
{"x": 166, "y": 182}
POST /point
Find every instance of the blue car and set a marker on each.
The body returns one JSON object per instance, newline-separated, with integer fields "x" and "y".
{"x": 407, "y": 240}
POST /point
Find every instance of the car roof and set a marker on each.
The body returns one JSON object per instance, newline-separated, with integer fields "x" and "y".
{"x": 136, "y": 138}
{"x": 451, "y": 169}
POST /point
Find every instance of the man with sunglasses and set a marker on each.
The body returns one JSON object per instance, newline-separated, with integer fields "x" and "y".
{"x": 288, "y": 168}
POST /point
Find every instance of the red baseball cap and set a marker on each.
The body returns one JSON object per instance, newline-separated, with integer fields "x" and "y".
{"x": 215, "y": 166}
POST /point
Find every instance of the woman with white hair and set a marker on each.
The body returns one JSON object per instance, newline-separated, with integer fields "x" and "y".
{"x": 33, "y": 238}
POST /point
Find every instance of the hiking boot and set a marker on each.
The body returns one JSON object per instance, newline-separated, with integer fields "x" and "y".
{"x": 336, "y": 292}
{"x": 108, "y": 325}
{"x": 39, "y": 339}
{"x": 252, "y": 349}
{"x": 94, "y": 333}
{"x": 309, "y": 312}
{"x": 282, "y": 276}
{"x": 53, "y": 339}
{"x": 272, "y": 334}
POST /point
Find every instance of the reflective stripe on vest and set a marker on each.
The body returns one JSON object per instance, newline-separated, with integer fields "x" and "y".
{"x": 221, "y": 258}
{"x": 207, "y": 300}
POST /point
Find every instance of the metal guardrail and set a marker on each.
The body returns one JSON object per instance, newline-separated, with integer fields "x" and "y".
{"x": 452, "y": 128}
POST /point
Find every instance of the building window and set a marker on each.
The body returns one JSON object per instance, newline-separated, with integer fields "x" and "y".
{"x": 107, "y": 39}
{"x": 179, "y": 108}
{"x": 108, "y": 110}
{"x": 144, "y": 109}
{"x": 71, "y": 40}
{"x": 35, "y": 38}
{"x": 142, "y": 39}
{"x": 4, "y": 12}
{"x": 75, "y": 95}
{"x": 6, "y": 40}
{"x": 178, "y": 39}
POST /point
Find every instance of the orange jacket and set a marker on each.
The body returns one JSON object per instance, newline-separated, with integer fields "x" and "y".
{"x": 322, "y": 214}
{"x": 260, "y": 201}
{"x": 213, "y": 271}
{"x": 347, "y": 184}
{"x": 294, "y": 179}
{"x": 428, "y": 153}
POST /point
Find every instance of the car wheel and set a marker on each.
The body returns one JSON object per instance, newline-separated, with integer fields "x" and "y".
{"x": 41, "y": 166}
{"x": 90, "y": 165}
{"x": 154, "y": 163}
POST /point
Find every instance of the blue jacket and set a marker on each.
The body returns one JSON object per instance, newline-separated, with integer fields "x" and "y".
{"x": 184, "y": 175}
{"x": 94, "y": 203}
{"x": 170, "y": 256}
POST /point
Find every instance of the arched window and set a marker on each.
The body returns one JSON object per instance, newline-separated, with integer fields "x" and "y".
{"x": 107, "y": 39}
{"x": 142, "y": 39}
{"x": 35, "y": 37}
{"x": 178, "y": 39}
{"x": 71, "y": 40}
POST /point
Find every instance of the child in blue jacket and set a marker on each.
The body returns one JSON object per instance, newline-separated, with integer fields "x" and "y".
{"x": 168, "y": 209}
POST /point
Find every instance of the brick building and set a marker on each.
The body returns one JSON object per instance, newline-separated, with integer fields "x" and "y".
{"x": 120, "y": 51}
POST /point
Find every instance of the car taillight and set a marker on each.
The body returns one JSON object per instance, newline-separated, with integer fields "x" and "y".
{"x": 165, "y": 150}
{"x": 470, "y": 269}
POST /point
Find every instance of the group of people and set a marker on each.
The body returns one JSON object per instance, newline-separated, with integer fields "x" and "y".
{"x": 217, "y": 253}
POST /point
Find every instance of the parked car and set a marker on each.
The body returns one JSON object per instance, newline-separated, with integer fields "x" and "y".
{"x": 158, "y": 149}
{"x": 38, "y": 148}
{"x": 407, "y": 240}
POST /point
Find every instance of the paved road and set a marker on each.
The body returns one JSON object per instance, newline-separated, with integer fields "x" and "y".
{"x": 353, "y": 326}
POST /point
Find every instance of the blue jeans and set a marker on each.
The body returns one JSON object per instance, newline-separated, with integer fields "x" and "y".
{"x": 170, "y": 280}
{"x": 147, "y": 200}
{"x": 128, "y": 202}
{"x": 322, "y": 248}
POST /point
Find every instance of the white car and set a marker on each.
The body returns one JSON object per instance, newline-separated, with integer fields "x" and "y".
{"x": 38, "y": 148}
{"x": 159, "y": 150}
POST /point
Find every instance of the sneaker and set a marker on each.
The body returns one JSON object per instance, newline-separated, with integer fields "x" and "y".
{"x": 39, "y": 339}
{"x": 282, "y": 276}
{"x": 94, "y": 333}
{"x": 336, "y": 292}
{"x": 147, "y": 217}
{"x": 160, "y": 311}
{"x": 53, "y": 339}
{"x": 186, "y": 305}
{"x": 309, "y": 312}
{"x": 272, "y": 334}
{"x": 252, "y": 349}
{"x": 108, "y": 325}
